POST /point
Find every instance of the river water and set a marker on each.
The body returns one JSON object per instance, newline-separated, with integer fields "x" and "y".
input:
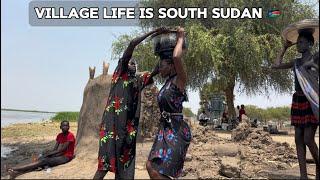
{"x": 14, "y": 117}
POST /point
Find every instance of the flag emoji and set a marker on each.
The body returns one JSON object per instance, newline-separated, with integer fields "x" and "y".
{"x": 273, "y": 14}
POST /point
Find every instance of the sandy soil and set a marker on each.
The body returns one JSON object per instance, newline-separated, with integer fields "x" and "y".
{"x": 33, "y": 138}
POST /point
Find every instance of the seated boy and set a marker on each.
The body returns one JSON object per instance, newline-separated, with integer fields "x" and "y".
{"x": 62, "y": 153}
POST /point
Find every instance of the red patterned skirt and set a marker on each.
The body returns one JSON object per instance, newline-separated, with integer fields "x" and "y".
{"x": 301, "y": 112}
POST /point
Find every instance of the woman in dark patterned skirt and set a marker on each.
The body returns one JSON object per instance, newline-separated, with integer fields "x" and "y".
{"x": 118, "y": 131}
{"x": 168, "y": 152}
{"x": 303, "y": 118}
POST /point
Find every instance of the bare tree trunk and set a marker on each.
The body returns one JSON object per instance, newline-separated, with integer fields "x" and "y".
{"x": 230, "y": 99}
{"x": 149, "y": 112}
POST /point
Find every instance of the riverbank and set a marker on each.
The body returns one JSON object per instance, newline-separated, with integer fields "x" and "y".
{"x": 23, "y": 140}
{"x": 33, "y": 138}
{"x": 27, "y": 139}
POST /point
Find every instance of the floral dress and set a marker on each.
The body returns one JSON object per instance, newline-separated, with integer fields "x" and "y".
{"x": 173, "y": 138}
{"x": 120, "y": 121}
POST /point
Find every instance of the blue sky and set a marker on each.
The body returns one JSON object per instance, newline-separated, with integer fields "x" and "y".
{"x": 46, "y": 68}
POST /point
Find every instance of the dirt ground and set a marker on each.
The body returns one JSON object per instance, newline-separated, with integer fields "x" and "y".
{"x": 279, "y": 138}
{"x": 212, "y": 154}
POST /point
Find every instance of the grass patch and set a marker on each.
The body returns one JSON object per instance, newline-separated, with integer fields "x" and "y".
{"x": 69, "y": 116}
{"x": 34, "y": 130}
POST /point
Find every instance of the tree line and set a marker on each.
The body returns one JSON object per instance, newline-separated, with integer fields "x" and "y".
{"x": 277, "y": 114}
